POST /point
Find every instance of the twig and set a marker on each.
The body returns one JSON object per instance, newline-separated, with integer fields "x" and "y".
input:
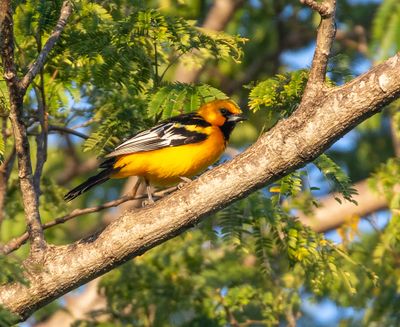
{"x": 67, "y": 130}
{"x": 5, "y": 171}
{"x": 35, "y": 68}
{"x": 41, "y": 138}
{"x": 325, "y": 36}
{"x": 85, "y": 124}
{"x": 17, "y": 242}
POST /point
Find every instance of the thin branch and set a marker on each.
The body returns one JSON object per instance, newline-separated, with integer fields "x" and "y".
{"x": 5, "y": 171}
{"x": 67, "y": 130}
{"x": 84, "y": 124}
{"x": 17, "y": 242}
{"x": 35, "y": 68}
{"x": 16, "y": 94}
{"x": 41, "y": 138}
{"x": 325, "y": 36}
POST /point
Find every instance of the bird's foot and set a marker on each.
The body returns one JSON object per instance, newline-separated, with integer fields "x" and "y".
{"x": 148, "y": 202}
{"x": 184, "y": 182}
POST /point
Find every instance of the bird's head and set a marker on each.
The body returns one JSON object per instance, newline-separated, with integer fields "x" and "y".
{"x": 221, "y": 112}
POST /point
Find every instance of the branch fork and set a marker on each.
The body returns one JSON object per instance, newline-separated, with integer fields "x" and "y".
{"x": 326, "y": 9}
{"x": 316, "y": 85}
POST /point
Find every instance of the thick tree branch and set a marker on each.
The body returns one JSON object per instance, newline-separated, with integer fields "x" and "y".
{"x": 77, "y": 306}
{"x": 331, "y": 214}
{"x": 7, "y": 44}
{"x": 37, "y": 66}
{"x": 290, "y": 144}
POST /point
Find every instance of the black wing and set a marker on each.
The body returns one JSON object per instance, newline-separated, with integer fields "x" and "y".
{"x": 172, "y": 132}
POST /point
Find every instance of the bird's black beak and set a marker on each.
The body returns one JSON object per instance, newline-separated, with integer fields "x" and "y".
{"x": 236, "y": 118}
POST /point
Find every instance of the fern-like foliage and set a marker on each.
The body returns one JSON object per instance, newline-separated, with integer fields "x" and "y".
{"x": 11, "y": 270}
{"x": 279, "y": 95}
{"x": 341, "y": 182}
{"x": 266, "y": 229}
{"x": 385, "y": 180}
{"x": 179, "y": 98}
{"x": 116, "y": 122}
{"x": 125, "y": 66}
{"x": 385, "y": 32}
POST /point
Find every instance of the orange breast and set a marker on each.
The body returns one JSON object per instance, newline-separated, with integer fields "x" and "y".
{"x": 165, "y": 166}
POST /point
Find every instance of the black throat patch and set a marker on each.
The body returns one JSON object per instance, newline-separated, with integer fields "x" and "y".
{"x": 227, "y": 129}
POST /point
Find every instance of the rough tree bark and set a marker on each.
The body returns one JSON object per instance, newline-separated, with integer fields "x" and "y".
{"x": 324, "y": 115}
{"x": 289, "y": 145}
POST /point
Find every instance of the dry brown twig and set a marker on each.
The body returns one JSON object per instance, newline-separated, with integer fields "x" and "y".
{"x": 67, "y": 130}
{"x": 17, "y": 242}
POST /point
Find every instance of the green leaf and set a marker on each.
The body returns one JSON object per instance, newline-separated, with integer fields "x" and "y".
{"x": 280, "y": 94}
{"x": 178, "y": 98}
{"x": 341, "y": 182}
{"x": 385, "y": 31}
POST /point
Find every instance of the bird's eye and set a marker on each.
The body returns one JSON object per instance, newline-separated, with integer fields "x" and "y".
{"x": 224, "y": 111}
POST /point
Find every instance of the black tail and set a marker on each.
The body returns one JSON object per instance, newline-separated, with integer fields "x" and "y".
{"x": 100, "y": 178}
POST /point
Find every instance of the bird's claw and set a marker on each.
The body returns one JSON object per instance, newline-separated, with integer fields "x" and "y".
{"x": 148, "y": 202}
{"x": 185, "y": 181}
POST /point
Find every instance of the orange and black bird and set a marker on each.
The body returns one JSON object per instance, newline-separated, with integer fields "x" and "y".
{"x": 176, "y": 149}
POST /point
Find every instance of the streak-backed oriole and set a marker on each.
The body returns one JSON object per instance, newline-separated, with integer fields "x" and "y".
{"x": 180, "y": 147}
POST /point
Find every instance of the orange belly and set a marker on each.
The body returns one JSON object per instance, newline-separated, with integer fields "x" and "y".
{"x": 166, "y": 166}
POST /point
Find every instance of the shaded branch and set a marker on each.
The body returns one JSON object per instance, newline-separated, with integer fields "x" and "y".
{"x": 7, "y": 43}
{"x": 77, "y": 306}
{"x": 16, "y": 94}
{"x": 28, "y": 183}
{"x": 67, "y": 130}
{"x": 66, "y": 10}
{"x": 5, "y": 172}
{"x": 41, "y": 138}
{"x": 331, "y": 214}
{"x": 17, "y": 242}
